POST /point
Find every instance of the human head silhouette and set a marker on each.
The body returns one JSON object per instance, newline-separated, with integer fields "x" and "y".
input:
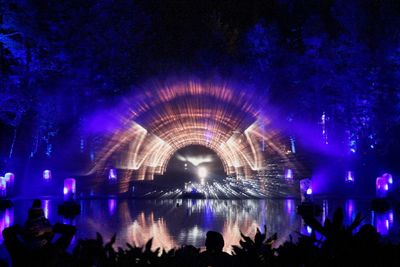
{"x": 37, "y": 203}
{"x": 36, "y": 211}
{"x": 214, "y": 241}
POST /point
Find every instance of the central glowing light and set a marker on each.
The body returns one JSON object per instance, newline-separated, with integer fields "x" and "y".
{"x": 196, "y": 161}
{"x": 202, "y": 172}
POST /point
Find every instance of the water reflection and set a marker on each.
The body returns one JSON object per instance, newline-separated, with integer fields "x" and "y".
{"x": 350, "y": 209}
{"x": 383, "y": 221}
{"x": 325, "y": 210}
{"x": 112, "y": 203}
{"x": 6, "y": 220}
{"x": 46, "y": 208}
{"x": 172, "y": 223}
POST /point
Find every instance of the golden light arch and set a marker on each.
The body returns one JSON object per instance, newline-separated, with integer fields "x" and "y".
{"x": 167, "y": 117}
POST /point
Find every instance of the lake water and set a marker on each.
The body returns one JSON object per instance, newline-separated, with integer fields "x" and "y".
{"x": 171, "y": 225}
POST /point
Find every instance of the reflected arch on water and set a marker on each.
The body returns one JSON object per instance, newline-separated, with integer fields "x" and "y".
{"x": 136, "y": 221}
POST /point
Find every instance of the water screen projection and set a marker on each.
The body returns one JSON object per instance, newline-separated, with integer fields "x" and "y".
{"x": 148, "y": 129}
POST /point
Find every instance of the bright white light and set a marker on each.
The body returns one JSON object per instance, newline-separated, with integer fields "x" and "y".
{"x": 196, "y": 161}
{"x": 202, "y": 172}
{"x": 47, "y": 175}
{"x": 309, "y": 191}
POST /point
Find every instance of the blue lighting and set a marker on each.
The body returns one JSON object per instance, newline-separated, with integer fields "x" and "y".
{"x": 383, "y": 222}
{"x": 6, "y": 220}
{"x": 46, "y": 208}
{"x": 69, "y": 188}
{"x": 382, "y": 185}
{"x": 3, "y": 186}
{"x": 353, "y": 146}
{"x": 293, "y": 145}
{"x": 46, "y": 175}
{"x": 306, "y": 190}
{"x": 288, "y": 174}
{"x": 350, "y": 177}
{"x": 112, "y": 204}
{"x": 112, "y": 175}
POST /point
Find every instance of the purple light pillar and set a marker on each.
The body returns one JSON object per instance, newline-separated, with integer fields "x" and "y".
{"x": 112, "y": 175}
{"x": 384, "y": 222}
{"x": 289, "y": 174}
{"x": 6, "y": 220}
{"x": 69, "y": 188}
{"x": 389, "y": 179}
{"x": 47, "y": 175}
{"x": 382, "y": 186}
{"x": 112, "y": 204}
{"x": 9, "y": 177}
{"x": 3, "y": 186}
{"x": 349, "y": 177}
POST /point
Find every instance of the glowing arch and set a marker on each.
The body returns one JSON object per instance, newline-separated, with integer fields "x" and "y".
{"x": 157, "y": 123}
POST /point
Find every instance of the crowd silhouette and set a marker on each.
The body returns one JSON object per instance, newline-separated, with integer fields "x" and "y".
{"x": 337, "y": 244}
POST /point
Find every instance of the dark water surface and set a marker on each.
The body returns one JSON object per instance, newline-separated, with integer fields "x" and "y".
{"x": 172, "y": 225}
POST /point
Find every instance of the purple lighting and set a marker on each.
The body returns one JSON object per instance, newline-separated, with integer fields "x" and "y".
{"x": 112, "y": 175}
{"x": 305, "y": 229}
{"x": 47, "y": 175}
{"x": 382, "y": 185}
{"x": 350, "y": 177}
{"x": 112, "y": 204}
{"x": 289, "y": 205}
{"x": 383, "y": 222}
{"x": 389, "y": 178}
{"x": 3, "y": 186}
{"x": 305, "y": 189}
{"x": 6, "y": 220}
{"x": 288, "y": 174}
{"x": 46, "y": 208}
{"x": 350, "y": 208}
{"x": 9, "y": 177}
{"x": 69, "y": 188}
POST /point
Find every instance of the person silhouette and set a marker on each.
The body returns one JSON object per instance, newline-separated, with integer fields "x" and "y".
{"x": 37, "y": 231}
{"x": 213, "y": 255}
{"x": 32, "y": 244}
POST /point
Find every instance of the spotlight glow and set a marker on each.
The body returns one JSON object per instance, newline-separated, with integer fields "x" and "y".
{"x": 289, "y": 174}
{"x": 112, "y": 174}
{"x": 202, "y": 172}
{"x": 350, "y": 177}
{"x": 3, "y": 186}
{"x": 47, "y": 175}
{"x": 306, "y": 190}
{"x": 196, "y": 161}
{"x": 69, "y": 188}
